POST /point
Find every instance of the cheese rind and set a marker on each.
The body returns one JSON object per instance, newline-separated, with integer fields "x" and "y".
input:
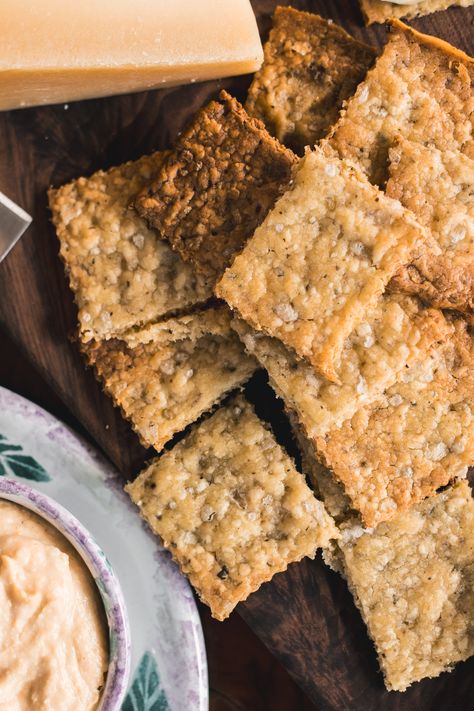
{"x": 51, "y": 52}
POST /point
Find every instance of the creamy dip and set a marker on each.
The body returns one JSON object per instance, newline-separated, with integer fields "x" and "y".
{"x": 53, "y": 642}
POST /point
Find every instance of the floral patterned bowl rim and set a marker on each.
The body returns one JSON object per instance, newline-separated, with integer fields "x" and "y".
{"x": 168, "y": 656}
{"x": 110, "y": 591}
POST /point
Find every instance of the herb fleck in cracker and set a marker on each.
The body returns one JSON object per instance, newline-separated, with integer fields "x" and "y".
{"x": 122, "y": 274}
{"x": 230, "y": 506}
{"x": 321, "y": 259}
{"x": 167, "y": 375}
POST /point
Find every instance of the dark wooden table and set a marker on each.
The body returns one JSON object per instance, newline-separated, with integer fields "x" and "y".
{"x": 306, "y": 615}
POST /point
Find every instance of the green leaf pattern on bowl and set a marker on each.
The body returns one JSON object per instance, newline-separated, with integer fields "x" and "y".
{"x": 22, "y": 466}
{"x": 146, "y": 693}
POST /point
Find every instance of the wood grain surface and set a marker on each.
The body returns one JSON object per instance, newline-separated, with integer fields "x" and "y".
{"x": 305, "y": 616}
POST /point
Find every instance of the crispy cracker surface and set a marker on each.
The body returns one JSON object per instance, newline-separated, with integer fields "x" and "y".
{"x": 311, "y": 66}
{"x": 230, "y": 506}
{"x": 167, "y": 381}
{"x": 331, "y": 492}
{"x": 326, "y": 487}
{"x": 413, "y": 580}
{"x": 321, "y": 259}
{"x": 438, "y": 187}
{"x": 122, "y": 274}
{"x": 212, "y": 321}
{"x": 419, "y": 88}
{"x": 379, "y": 11}
{"x": 415, "y": 439}
{"x": 398, "y": 332}
{"x": 217, "y": 185}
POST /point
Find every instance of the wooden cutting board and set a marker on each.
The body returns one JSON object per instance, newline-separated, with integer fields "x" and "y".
{"x": 306, "y": 616}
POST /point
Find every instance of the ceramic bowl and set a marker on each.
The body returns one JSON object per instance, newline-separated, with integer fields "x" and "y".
{"x": 94, "y": 558}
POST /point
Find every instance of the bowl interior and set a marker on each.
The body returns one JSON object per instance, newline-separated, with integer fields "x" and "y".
{"x": 99, "y": 567}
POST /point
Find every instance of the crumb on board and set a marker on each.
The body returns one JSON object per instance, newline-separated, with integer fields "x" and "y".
{"x": 321, "y": 259}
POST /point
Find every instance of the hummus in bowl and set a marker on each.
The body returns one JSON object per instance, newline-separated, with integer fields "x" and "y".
{"x": 64, "y": 639}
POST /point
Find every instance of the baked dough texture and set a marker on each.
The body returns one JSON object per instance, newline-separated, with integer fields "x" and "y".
{"x": 379, "y": 11}
{"x": 216, "y": 185}
{"x": 311, "y": 67}
{"x": 398, "y": 332}
{"x": 413, "y": 581}
{"x": 438, "y": 187}
{"x": 415, "y": 439}
{"x": 326, "y": 487}
{"x": 122, "y": 274}
{"x": 420, "y": 88}
{"x": 230, "y": 506}
{"x": 166, "y": 376}
{"x": 321, "y": 259}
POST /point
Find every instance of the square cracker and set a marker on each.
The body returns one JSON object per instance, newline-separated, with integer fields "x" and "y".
{"x": 122, "y": 274}
{"x": 311, "y": 66}
{"x": 413, "y": 440}
{"x": 413, "y": 581}
{"x": 380, "y": 11}
{"x": 420, "y": 88}
{"x": 398, "y": 332}
{"x": 167, "y": 375}
{"x": 438, "y": 187}
{"x": 231, "y": 507}
{"x": 321, "y": 258}
{"x": 216, "y": 186}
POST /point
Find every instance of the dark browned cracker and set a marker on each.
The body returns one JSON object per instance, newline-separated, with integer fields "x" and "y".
{"x": 217, "y": 185}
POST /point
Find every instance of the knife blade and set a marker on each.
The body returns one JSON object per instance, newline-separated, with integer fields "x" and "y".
{"x": 13, "y": 222}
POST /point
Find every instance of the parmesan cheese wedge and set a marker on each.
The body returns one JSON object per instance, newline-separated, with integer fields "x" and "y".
{"x": 54, "y": 51}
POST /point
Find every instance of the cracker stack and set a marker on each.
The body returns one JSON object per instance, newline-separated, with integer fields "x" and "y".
{"x": 321, "y": 259}
{"x": 411, "y": 123}
{"x": 348, "y": 275}
{"x": 162, "y": 352}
